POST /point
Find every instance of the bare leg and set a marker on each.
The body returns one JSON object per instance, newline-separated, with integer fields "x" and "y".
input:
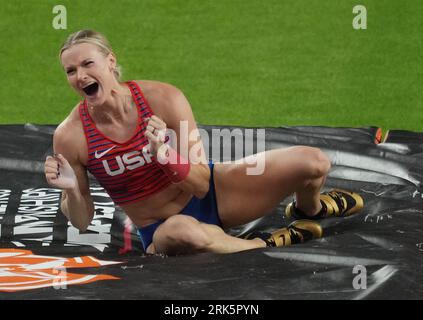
{"x": 308, "y": 198}
{"x": 181, "y": 234}
{"x": 242, "y": 198}
{"x": 224, "y": 243}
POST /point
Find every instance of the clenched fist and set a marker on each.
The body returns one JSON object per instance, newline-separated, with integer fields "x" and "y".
{"x": 156, "y": 134}
{"x": 59, "y": 173}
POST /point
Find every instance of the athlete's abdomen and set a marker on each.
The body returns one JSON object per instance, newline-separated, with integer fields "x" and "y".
{"x": 161, "y": 205}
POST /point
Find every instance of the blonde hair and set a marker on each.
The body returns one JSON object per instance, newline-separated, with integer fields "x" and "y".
{"x": 93, "y": 37}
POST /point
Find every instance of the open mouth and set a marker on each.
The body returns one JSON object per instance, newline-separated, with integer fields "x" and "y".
{"x": 91, "y": 89}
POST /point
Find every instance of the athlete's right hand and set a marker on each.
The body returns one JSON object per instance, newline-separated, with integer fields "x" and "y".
{"x": 59, "y": 172}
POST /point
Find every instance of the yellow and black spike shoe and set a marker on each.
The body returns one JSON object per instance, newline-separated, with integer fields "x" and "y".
{"x": 335, "y": 203}
{"x": 297, "y": 232}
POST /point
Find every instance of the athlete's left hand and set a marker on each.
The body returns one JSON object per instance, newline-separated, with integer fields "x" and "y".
{"x": 156, "y": 134}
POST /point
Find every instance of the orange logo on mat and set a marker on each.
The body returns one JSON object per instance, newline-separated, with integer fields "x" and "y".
{"x": 22, "y": 270}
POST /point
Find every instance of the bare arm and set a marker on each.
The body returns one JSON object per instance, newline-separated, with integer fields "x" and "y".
{"x": 65, "y": 171}
{"x": 176, "y": 112}
{"x": 77, "y": 204}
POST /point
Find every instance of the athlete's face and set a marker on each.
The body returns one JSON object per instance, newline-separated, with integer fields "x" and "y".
{"x": 89, "y": 72}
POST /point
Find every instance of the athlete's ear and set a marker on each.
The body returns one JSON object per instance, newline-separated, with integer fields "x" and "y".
{"x": 112, "y": 61}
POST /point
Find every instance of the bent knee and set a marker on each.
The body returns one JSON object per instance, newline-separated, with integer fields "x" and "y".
{"x": 316, "y": 163}
{"x": 181, "y": 232}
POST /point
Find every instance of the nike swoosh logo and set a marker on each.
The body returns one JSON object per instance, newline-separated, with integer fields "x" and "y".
{"x": 99, "y": 155}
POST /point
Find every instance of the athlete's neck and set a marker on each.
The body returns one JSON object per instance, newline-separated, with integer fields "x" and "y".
{"x": 116, "y": 108}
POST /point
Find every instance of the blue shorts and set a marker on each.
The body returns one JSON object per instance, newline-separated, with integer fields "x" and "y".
{"x": 204, "y": 210}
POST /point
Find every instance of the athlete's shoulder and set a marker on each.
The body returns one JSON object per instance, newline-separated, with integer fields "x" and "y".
{"x": 69, "y": 132}
{"x": 161, "y": 95}
{"x": 158, "y": 90}
{"x": 71, "y": 122}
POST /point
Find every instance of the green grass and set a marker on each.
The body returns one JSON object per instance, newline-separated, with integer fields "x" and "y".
{"x": 243, "y": 62}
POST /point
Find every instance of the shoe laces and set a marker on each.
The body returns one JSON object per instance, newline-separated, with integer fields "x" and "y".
{"x": 296, "y": 236}
{"x": 339, "y": 199}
